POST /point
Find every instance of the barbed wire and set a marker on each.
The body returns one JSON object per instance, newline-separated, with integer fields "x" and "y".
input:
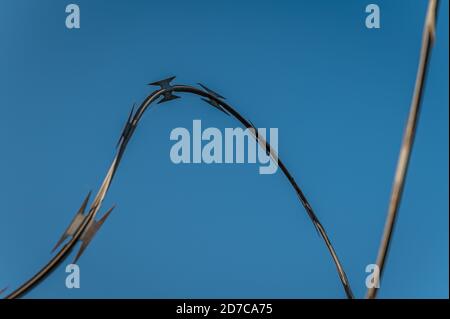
{"x": 84, "y": 227}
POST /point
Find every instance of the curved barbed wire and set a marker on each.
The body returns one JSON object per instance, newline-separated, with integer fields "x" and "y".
{"x": 84, "y": 227}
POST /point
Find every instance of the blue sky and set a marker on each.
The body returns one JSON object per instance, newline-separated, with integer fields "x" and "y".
{"x": 338, "y": 92}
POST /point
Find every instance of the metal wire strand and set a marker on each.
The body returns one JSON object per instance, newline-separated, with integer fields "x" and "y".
{"x": 407, "y": 144}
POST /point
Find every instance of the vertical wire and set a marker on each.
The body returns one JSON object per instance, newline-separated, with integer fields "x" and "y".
{"x": 407, "y": 144}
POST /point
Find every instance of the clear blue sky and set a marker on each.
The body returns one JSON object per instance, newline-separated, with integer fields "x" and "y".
{"x": 338, "y": 92}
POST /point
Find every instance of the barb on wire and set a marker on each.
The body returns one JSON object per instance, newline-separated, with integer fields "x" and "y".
{"x": 3, "y": 290}
{"x": 75, "y": 223}
{"x": 212, "y": 102}
{"x": 90, "y": 232}
{"x": 166, "y": 86}
{"x": 407, "y": 144}
{"x": 127, "y": 128}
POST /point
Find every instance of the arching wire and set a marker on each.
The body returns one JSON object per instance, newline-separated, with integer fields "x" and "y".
{"x": 166, "y": 92}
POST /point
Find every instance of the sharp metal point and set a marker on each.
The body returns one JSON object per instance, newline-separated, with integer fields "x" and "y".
{"x": 75, "y": 223}
{"x": 131, "y": 113}
{"x": 168, "y": 96}
{"x": 165, "y": 85}
{"x": 217, "y": 95}
{"x": 3, "y": 290}
{"x": 90, "y": 232}
{"x": 126, "y": 129}
{"x": 212, "y": 102}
